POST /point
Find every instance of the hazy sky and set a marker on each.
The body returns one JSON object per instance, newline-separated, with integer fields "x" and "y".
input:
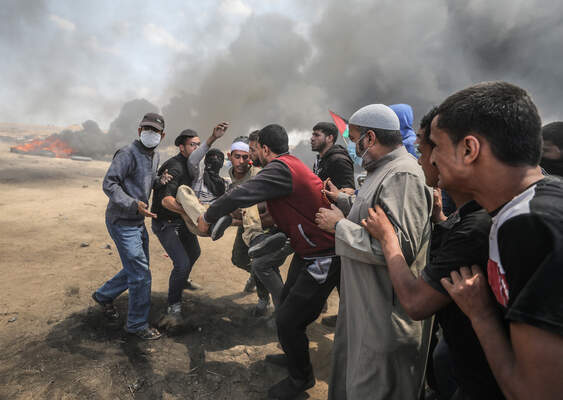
{"x": 254, "y": 62}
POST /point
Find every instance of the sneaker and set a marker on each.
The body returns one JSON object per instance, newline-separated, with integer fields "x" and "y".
{"x": 261, "y": 308}
{"x": 266, "y": 244}
{"x": 110, "y": 312}
{"x": 218, "y": 228}
{"x": 191, "y": 285}
{"x": 172, "y": 318}
{"x": 175, "y": 308}
{"x": 250, "y": 285}
{"x": 148, "y": 334}
{"x": 290, "y": 388}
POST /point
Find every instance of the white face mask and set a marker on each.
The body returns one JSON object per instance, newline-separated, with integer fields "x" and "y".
{"x": 150, "y": 139}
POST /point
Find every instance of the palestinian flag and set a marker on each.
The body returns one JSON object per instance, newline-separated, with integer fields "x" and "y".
{"x": 340, "y": 123}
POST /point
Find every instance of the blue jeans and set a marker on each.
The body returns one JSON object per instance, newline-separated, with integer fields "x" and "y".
{"x": 183, "y": 249}
{"x": 132, "y": 243}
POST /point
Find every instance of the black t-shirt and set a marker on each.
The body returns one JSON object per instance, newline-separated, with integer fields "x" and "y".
{"x": 462, "y": 240}
{"x": 177, "y": 167}
{"x": 525, "y": 265}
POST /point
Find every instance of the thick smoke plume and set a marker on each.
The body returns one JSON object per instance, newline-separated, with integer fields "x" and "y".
{"x": 364, "y": 52}
{"x": 291, "y": 68}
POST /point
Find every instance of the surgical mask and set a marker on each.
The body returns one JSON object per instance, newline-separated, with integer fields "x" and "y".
{"x": 150, "y": 139}
{"x": 352, "y": 152}
{"x": 358, "y": 159}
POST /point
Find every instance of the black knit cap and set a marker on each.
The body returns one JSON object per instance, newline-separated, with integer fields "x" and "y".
{"x": 186, "y": 133}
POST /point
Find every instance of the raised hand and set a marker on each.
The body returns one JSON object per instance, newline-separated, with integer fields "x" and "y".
{"x": 220, "y": 130}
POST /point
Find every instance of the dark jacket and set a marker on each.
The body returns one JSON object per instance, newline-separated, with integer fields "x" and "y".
{"x": 177, "y": 166}
{"x": 337, "y": 165}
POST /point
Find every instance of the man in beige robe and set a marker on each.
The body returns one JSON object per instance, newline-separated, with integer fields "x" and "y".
{"x": 379, "y": 352}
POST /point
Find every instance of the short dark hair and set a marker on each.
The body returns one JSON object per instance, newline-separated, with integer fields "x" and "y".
{"x": 275, "y": 137}
{"x": 243, "y": 139}
{"x": 426, "y": 122}
{"x": 185, "y": 135}
{"x": 385, "y": 137}
{"x": 328, "y": 128}
{"x": 253, "y": 137}
{"x": 554, "y": 133}
{"x": 502, "y": 113}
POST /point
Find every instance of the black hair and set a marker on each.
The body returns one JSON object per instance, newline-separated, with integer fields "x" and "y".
{"x": 275, "y": 137}
{"x": 253, "y": 137}
{"x": 328, "y": 128}
{"x": 243, "y": 139}
{"x": 554, "y": 133}
{"x": 425, "y": 124}
{"x": 385, "y": 137}
{"x": 502, "y": 113}
{"x": 185, "y": 135}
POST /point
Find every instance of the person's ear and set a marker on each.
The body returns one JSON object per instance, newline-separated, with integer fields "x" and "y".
{"x": 372, "y": 139}
{"x": 139, "y": 131}
{"x": 471, "y": 148}
{"x": 162, "y": 135}
{"x": 229, "y": 155}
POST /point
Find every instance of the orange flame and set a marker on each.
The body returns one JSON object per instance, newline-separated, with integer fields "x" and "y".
{"x": 52, "y": 144}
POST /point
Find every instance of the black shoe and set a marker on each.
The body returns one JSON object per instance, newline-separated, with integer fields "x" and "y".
{"x": 266, "y": 244}
{"x": 261, "y": 308}
{"x": 218, "y": 228}
{"x": 148, "y": 334}
{"x": 110, "y": 312}
{"x": 329, "y": 321}
{"x": 289, "y": 388}
{"x": 277, "y": 359}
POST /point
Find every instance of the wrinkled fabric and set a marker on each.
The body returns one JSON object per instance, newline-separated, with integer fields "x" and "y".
{"x": 405, "y": 114}
{"x": 379, "y": 351}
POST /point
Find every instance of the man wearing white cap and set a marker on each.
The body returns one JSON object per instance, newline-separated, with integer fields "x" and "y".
{"x": 379, "y": 352}
{"x": 250, "y": 225}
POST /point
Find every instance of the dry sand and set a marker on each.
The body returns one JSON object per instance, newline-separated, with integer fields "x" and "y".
{"x": 54, "y": 341}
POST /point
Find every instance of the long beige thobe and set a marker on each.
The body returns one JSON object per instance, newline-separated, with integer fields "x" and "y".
{"x": 379, "y": 352}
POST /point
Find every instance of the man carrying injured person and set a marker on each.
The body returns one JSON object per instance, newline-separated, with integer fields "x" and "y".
{"x": 293, "y": 194}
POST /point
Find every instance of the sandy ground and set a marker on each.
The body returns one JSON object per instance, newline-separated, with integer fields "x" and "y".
{"x": 54, "y": 341}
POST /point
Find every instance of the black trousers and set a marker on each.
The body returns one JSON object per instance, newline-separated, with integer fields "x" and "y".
{"x": 302, "y": 300}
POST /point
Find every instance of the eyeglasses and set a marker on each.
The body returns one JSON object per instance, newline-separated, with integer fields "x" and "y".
{"x": 195, "y": 144}
{"x": 239, "y": 156}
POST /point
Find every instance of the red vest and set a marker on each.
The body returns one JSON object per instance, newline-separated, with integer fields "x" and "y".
{"x": 295, "y": 214}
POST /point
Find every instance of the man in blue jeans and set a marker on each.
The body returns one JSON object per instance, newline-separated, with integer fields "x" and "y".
{"x": 128, "y": 184}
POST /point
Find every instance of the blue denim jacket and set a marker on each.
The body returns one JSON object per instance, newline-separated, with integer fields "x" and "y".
{"x": 130, "y": 178}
